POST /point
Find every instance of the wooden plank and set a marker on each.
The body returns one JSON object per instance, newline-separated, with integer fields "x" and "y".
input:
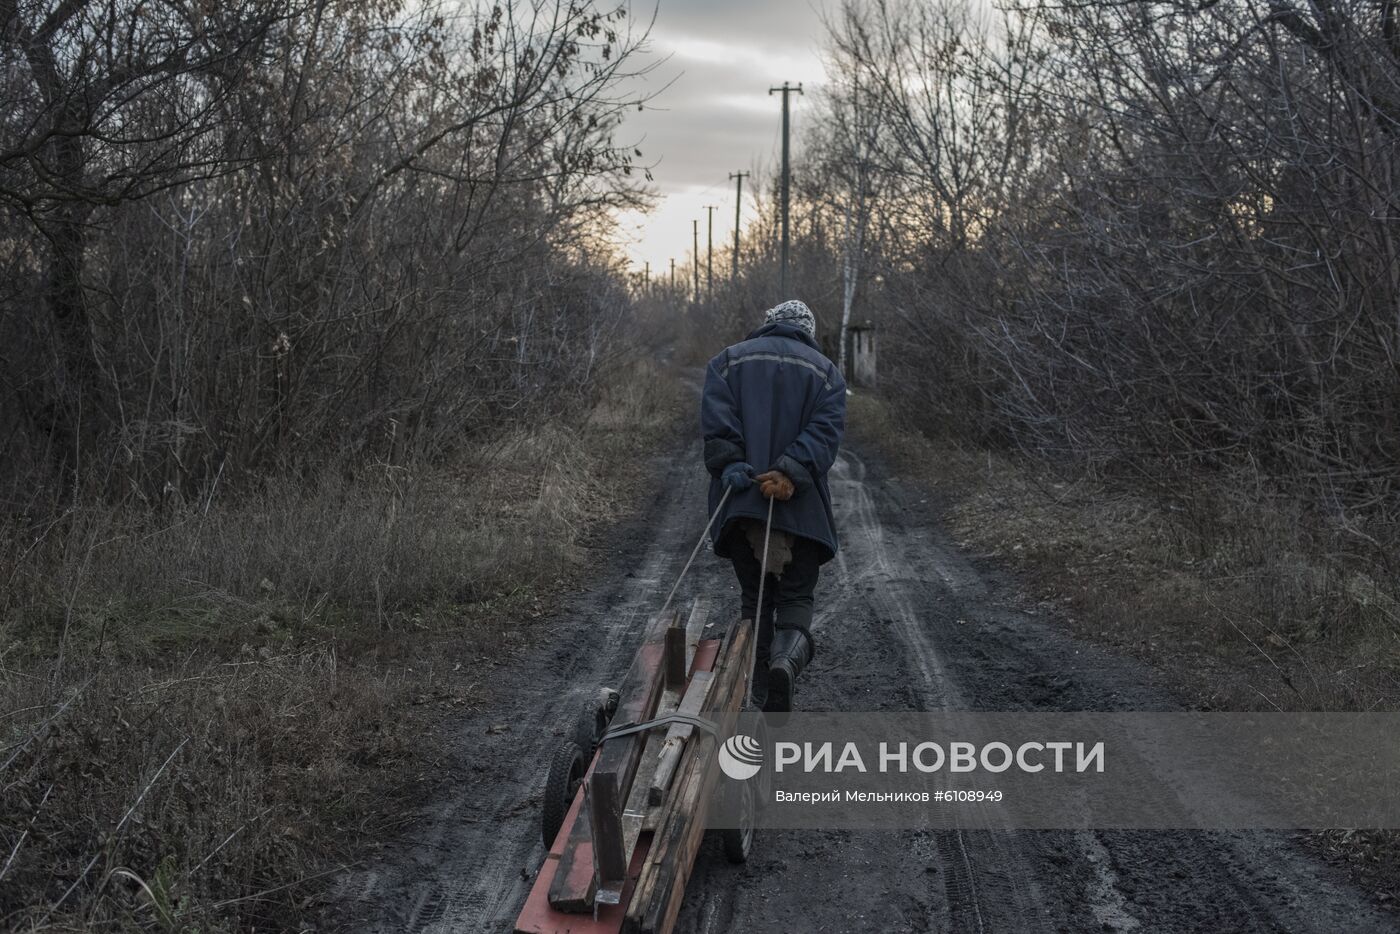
{"x": 665, "y": 901}
{"x": 680, "y": 836}
{"x": 695, "y": 629}
{"x": 575, "y": 882}
{"x": 672, "y": 702}
{"x": 652, "y": 819}
{"x": 674, "y": 664}
{"x": 660, "y": 886}
{"x": 706, "y": 651}
{"x": 634, "y": 814}
{"x": 605, "y": 824}
{"x": 677, "y": 734}
{"x": 633, "y": 818}
{"x": 537, "y": 917}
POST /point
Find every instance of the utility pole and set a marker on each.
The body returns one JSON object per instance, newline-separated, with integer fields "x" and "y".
{"x": 710, "y": 252}
{"x": 673, "y": 274}
{"x": 695, "y": 254}
{"x": 785, "y": 90}
{"x": 646, "y": 277}
{"x": 738, "y": 201}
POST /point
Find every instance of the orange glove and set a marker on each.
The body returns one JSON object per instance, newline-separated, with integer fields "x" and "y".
{"x": 775, "y": 485}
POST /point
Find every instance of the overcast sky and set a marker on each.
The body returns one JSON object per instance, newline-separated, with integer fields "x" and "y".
{"x": 716, "y": 117}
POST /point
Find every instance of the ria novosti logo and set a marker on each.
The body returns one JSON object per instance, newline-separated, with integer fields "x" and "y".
{"x": 741, "y": 757}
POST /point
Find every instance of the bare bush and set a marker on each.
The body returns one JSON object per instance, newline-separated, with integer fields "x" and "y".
{"x": 243, "y": 239}
{"x": 243, "y": 701}
{"x": 1154, "y": 239}
{"x": 311, "y": 358}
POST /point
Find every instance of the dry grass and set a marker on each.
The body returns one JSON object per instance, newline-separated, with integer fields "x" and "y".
{"x": 1248, "y": 603}
{"x": 207, "y": 713}
{"x": 189, "y": 796}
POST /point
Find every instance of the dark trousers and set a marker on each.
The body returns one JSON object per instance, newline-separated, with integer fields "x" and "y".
{"x": 787, "y": 600}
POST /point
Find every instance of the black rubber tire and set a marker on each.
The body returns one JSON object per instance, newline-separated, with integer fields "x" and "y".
{"x": 566, "y": 772}
{"x": 609, "y": 702}
{"x": 738, "y": 841}
{"x": 590, "y": 726}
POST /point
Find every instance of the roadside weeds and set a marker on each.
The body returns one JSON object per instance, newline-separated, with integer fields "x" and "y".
{"x": 1239, "y": 602}
{"x": 207, "y": 719}
{"x": 1235, "y": 601}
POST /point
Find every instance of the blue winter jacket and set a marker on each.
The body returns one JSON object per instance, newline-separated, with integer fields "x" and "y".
{"x": 775, "y": 402}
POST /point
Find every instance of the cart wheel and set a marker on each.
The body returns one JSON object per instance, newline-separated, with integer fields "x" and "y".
{"x": 738, "y": 841}
{"x": 590, "y": 726}
{"x": 566, "y": 772}
{"x": 608, "y": 699}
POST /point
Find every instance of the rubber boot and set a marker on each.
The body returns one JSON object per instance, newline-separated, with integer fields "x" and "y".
{"x": 789, "y": 655}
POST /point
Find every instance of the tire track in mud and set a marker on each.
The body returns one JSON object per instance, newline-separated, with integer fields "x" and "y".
{"x": 905, "y": 622}
{"x": 473, "y": 855}
{"x": 874, "y": 654}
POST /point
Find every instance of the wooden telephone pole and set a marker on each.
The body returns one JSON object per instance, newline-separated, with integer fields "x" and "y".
{"x": 695, "y": 257}
{"x": 785, "y": 90}
{"x": 710, "y": 252}
{"x": 738, "y": 202}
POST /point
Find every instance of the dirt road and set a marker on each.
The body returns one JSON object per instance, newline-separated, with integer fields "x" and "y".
{"x": 906, "y": 622}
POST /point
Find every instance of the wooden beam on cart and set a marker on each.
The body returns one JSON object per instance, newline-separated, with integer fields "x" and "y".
{"x": 677, "y": 735}
{"x": 695, "y": 629}
{"x": 576, "y": 881}
{"x": 628, "y": 824}
{"x": 656, "y": 897}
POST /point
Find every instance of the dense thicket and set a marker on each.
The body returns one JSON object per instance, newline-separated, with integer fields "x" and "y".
{"x": 236, "y": 237}
{"x": 1159, "y": 237}
{"x": 303, "y": 310}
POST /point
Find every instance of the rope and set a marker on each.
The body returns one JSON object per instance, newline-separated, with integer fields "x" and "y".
{"x": 627, "y": 729}
{"x": 694, "y": 551}
{"x": 762, "y": 574}
{"x": 758, "y": 612}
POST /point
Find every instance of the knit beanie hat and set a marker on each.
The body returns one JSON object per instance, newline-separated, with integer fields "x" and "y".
{"x": 795, "y": 313}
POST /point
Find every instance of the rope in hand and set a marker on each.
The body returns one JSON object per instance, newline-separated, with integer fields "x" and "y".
{"x": 762, "y": 575}
{"x": 696, "y": 550}
{"x": 758, "y": 613}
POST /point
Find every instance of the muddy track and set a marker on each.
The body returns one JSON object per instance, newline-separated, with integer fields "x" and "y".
{"x": 906, "y": 622}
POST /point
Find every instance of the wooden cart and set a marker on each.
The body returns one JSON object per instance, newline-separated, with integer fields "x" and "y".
{"x": 628, "y": 793}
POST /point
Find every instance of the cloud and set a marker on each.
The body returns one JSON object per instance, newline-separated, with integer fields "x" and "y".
{"x": 716, "y": 116}
{"x": 763, "y": 21}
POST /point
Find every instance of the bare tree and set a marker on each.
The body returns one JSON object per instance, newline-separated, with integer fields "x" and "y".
{"x": 107, "y": 102}
{"x": 849, "y": 140}
{"x": 1152, "y": 237}
{"x": 266, "y": 234}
